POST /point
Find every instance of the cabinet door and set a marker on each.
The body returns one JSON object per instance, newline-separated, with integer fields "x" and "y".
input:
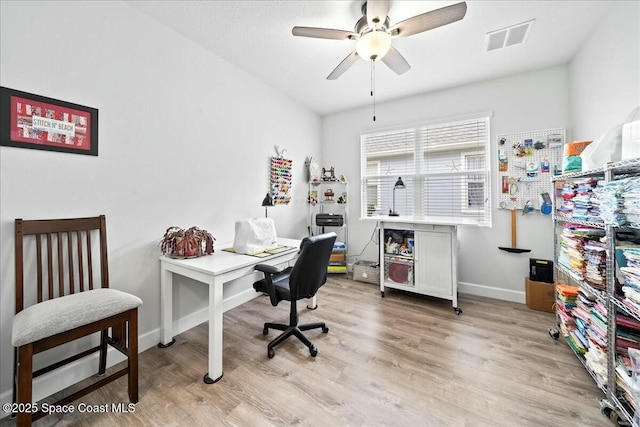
{"x": 433, "y": 263}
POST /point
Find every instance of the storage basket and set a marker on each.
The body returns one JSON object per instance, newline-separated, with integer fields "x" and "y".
{"x": 398, "y": 270}
{"x": 366, "y": 271}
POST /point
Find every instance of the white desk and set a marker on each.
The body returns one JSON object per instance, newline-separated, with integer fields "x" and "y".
{"x": 214, "y": 270}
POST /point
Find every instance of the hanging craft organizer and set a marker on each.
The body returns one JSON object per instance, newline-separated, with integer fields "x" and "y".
{"x": 527, "y": 162}
{"x": 280, "y": 178}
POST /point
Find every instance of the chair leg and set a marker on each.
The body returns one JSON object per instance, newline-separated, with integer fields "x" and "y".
{"x": 25, "y": 380}
{"x": 276, "y": 326}
{"x": 302, "y": 337}
{"x": 14, "y": 396}
{"x": 102, "y": 364}
{"x": 279, "y": 339}
{"x": 309, "y": 326}
{"x": 133, "y": 356}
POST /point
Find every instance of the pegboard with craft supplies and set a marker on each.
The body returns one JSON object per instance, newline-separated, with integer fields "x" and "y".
{"x": 527, "y": 162}
{"x": 280, "y": 179}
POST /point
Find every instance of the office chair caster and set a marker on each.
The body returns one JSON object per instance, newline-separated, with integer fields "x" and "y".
{"x": 270, "y": 353}
{"x": 325, "y": 330}
{"x": 265, "y": 331}
{"x": 313, "y": 351}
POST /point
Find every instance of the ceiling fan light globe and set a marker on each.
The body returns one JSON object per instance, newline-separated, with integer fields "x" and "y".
{"x": 373, "y": 45}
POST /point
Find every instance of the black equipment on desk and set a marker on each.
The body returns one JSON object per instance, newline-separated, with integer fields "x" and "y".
{"x": 329, "y": 220}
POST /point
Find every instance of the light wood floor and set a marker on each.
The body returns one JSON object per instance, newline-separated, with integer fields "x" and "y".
{"x": 404, "y": 360}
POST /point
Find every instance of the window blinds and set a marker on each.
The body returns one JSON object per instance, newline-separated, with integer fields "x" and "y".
{"x": 445, "y": 168}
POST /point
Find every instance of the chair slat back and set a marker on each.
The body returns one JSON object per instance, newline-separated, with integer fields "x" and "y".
{"x": 66, "y": 247}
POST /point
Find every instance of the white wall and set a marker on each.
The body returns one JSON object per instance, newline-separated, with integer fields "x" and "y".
{"x": 605, "y": 73}
{"x": 525, "y": 102}
{"x": 184, "y": 139}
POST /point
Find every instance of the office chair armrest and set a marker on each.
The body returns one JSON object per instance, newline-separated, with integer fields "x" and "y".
{"x": 272, "y": 274}
{"x": 268, "y": 269}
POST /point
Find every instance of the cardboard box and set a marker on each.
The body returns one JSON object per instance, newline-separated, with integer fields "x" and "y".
{"x": 540, "y": 295}
{"x": 337, "y": 257}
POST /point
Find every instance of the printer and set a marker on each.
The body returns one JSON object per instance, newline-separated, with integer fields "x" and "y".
{"x": 329, "y": 220}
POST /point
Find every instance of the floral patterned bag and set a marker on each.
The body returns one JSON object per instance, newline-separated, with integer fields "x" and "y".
{"x": 190, "y": 243}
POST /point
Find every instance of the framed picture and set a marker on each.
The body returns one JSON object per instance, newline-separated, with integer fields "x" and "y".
{"x": 41, "y": 123}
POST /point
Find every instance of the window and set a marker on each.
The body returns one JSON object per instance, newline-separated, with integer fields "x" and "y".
{"x": 373, "y": 195}
{"x": 445, "y": 168}
{"x": 473, "y": 190}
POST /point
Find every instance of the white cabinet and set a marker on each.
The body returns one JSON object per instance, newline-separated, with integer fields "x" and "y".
{"x": 420, "y": 258}
{"x": 434, "y": 264}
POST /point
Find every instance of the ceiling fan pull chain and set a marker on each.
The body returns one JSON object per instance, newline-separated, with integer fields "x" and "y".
{"x": 373, "y": 87}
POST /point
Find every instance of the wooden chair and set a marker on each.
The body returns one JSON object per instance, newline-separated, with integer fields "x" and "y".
{"x": 59, "y": 299}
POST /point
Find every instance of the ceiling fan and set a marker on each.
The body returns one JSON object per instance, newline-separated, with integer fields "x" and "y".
{"x": 373, "y": 34}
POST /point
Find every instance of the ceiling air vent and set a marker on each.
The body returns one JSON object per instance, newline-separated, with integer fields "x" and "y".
{"x": 509, "y": 36}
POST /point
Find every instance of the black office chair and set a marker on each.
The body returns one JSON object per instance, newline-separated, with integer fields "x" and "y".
{"x": 295, "y": 283}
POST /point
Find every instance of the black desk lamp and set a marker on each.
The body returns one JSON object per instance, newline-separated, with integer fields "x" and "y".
{"x": 266, "y": 202}
{"x": 398, "y": 184}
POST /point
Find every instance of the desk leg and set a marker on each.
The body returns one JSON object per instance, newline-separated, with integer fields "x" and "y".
{"x": 312, "y": 305}
{"x": 215, "y": 332}
{"x": 166, "y": 307}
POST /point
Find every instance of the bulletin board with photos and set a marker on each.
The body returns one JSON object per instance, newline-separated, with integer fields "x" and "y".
{"x": 527, "y": 162}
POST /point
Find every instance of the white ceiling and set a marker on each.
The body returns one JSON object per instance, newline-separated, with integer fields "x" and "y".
{"x": 256, "y": 37}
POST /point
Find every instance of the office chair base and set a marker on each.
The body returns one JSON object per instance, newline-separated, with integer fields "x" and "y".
{"x": 292, "y": 330}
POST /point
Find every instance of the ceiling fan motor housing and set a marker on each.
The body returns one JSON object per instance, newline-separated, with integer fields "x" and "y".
{"x": 362, "y": 26}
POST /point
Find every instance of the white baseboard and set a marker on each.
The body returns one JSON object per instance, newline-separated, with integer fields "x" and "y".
{"x": 57, "y": 380}
{"x": 491, "y": 292}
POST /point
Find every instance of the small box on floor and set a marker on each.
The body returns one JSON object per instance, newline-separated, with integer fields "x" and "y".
{"x": 540, "y": 295}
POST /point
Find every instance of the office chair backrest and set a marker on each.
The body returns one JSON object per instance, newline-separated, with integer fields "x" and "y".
{"x": 310, "y": 270}
{"x": 61, "y": 250}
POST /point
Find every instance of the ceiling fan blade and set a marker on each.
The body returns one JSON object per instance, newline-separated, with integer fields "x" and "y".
{"x": 396, "y": 61}
{"x": 429, "y": 20}
{"x": 343, "y": 66}
{"x": 377, "y": 11}
{"x": 324, "y": 33}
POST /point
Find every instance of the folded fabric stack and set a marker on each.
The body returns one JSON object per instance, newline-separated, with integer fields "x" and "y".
{"x": 596, "y": 357}
{"x": 628, "y": 379}
{"x": 582, "y": 206}
{"x": 631, "y": 275}
{"x": 598, "y": 326}
{"x": 577, "y": 200}
{"x": 570, "y": 255}
{"x": 627, "y": 334}
{"x": 596, "y": 263}
{"x": 624, "y": 387}
{"x": 572, "y": 252}
{"x": 611, "y": 202}
{"x": 582, "y": 316}
{"x": 631, "y": 196}
{"x": 565, "y": 303}
{"x": 596, "y": 360}
{"x": 567, "y": 193}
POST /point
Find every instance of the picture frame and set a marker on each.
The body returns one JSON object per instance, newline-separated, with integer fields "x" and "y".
{"x": 37, "y": 122}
